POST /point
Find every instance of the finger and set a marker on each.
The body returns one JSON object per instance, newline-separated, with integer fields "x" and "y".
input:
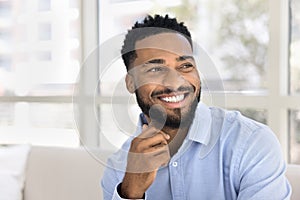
{"x": 144, "y": 127}
{"x": 157, "y": 149}
{"x": 149, "y": 131}
{"x": 148, "y": 161}
{"x": 158, "y": 139}
{"x": 140, "y": 145}
{"x": 160, "y": 158}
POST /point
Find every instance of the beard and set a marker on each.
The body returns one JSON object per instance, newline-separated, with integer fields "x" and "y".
{"x": 159, "y": 116}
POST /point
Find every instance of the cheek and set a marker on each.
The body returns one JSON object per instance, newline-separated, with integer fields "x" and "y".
{"x": 194, "y": 80}
{"x": 143, "y": 82}
{"x": 147, "y": 83}
{"x": 144, "y": 91}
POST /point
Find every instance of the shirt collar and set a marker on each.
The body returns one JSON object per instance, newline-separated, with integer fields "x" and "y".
{"x": 201, "y": 126}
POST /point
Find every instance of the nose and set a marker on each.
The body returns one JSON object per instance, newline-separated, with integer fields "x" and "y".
{"x": 173, "y": 79}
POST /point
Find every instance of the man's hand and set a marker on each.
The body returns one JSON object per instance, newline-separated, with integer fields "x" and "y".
{"x": 147, "y": 153}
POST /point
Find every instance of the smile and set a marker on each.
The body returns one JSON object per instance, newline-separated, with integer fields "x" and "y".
{"x": 173, "y": 99}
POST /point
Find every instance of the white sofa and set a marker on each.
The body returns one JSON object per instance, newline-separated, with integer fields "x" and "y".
{"x": 64, "y": 174}
{"x": 74, "y": 174}
{"x": 293, "y": 174}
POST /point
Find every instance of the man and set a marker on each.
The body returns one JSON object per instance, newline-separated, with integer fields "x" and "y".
{"x": 182, "y": 148}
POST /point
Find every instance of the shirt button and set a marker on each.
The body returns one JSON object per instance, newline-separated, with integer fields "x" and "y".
{"x": 174, "y": 164}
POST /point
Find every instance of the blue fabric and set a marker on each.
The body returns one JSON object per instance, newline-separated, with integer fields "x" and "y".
{"x": 224, "y": 156}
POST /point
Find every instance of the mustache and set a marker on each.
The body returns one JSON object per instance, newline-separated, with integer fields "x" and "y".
{"x": 169, "y": 90}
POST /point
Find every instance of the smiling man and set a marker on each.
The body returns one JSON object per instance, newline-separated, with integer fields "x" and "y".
{"x": 182, "y": 148}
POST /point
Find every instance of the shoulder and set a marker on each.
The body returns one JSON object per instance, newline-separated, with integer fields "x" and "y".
{"x": 234, "y": 124}
{"x": 242, "y": 135}
{"x": 249, "y": 141}
{"x": 230, "y": 130}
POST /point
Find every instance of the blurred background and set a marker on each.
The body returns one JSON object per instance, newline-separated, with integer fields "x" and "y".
{"x": 54, "y": 90}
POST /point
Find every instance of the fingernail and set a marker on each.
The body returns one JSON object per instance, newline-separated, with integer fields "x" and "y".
{"x": 167, "y": 136}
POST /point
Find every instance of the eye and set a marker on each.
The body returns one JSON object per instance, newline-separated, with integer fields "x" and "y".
{"x": 186, "y": 67}
{"x": 155, "y": 69}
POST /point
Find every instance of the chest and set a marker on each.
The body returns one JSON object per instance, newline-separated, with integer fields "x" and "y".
{"x": 189, "y": 177}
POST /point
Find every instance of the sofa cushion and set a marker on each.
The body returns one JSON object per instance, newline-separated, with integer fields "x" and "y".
{"x": 64, "y": 174}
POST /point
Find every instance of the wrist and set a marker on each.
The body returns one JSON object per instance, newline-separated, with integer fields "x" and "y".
{"x": 128, "y": 193}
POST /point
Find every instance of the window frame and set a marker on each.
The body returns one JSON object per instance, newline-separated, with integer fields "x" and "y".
{"x": 89, "y": 41}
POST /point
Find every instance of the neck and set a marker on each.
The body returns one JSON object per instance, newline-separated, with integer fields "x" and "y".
{"x": 175, "y": 132}
{"x": 177, "y": 137}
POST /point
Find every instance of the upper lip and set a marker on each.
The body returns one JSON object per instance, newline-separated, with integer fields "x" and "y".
{"x": 169, "y": 92}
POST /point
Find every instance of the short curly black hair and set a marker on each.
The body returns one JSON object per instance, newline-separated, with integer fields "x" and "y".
{"x": 157, "y": 24}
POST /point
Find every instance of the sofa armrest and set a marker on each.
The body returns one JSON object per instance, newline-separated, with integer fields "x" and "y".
{"x": 293, "y": 175}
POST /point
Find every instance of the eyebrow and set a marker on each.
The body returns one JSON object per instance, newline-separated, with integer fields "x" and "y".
{"x": 162, "y": 61}
{"x": 156, "y": 61}
{"x": 183, "y": 58}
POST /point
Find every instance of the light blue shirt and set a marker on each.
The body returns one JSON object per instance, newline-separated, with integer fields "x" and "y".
{"x": 224, "y": 156}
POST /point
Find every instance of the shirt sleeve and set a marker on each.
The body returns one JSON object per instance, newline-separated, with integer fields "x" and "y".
{"x": 261, "y": 169}
{"x": 112, "y": 178}
{"x": 115, "y": 195}
{"x": 109, "y": 196}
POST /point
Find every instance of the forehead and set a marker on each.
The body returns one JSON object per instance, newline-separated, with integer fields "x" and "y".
{"x": 161, "y": 45}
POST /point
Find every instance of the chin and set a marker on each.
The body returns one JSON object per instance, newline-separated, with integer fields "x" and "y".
{"x": 172, "y": 118}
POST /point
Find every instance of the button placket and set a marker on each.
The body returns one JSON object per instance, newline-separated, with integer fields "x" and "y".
{"x": 176, "y": 179}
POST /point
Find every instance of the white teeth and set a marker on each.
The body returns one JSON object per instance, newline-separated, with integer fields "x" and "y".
{"x": 173, "y": 99}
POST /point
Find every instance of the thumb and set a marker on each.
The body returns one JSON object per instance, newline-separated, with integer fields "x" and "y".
{"x": 144, "y": 127}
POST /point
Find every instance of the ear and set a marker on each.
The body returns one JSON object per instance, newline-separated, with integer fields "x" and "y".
{"x": 130, "y": 83}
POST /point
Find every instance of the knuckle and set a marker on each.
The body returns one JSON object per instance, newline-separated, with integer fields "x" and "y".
{"x": 139, "y": 148}
{"x": 135, "y": 141}
{"x": 135, "y": 145}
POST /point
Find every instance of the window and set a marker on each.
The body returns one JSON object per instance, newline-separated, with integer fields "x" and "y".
{"x": 294, "y": 114}
{"x": 44, "y": 5}
{"x": 39, "y": 64}
{"x": 48, "y": 51}
{"x": 295, "y": 48}
{"x": 45, "y": 31}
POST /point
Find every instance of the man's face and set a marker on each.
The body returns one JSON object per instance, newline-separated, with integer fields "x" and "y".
{"x": 164, "y": 74}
